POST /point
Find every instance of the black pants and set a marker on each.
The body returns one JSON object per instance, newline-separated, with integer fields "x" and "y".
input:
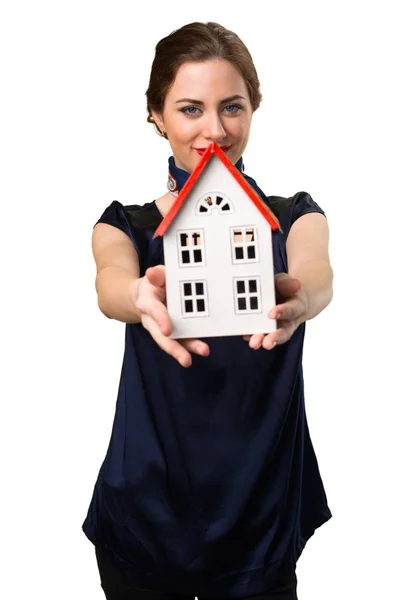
{"x": 118, "y": 586}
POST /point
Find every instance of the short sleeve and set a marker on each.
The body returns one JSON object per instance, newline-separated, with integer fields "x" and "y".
{"x": 302, "y": 205}
{"x": 117, "y": 216}
{"x": 288, "y": 210}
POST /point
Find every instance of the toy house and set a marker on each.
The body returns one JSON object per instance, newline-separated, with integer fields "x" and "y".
{"x": 217, "y": 240}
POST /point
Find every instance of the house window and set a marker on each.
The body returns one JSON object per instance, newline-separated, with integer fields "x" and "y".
{"x": 247, "y": 295}
{"x": 244, "y": 245}
{"x": 214, "y": 200}
{"x": 191, "y": 248}
{"x": 194, "y": 298}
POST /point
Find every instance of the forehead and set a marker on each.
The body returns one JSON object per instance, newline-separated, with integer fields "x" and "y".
{"x": 207, "y": 79}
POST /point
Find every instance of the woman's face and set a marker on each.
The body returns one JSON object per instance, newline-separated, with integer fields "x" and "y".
{"x": 208, "y": 102}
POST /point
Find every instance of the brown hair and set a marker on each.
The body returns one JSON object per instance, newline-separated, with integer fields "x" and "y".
{"x": 197, "y": 42}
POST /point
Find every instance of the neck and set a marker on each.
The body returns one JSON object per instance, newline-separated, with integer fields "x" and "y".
{"x": 165, "y": 203}
{"x": 177, "y": 176}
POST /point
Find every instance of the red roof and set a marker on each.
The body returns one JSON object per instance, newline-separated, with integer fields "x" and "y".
{"x": 188, "y": 186}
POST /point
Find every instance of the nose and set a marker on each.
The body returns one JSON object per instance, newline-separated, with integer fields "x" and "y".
{"x": 213, "y": 128}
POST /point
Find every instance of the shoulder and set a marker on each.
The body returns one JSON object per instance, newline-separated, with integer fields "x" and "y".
{"x": 132, "y": 216}
{"x": 138, "y": 222}
{"x": 146, "y": 216}
{"x": 289, "y": 209}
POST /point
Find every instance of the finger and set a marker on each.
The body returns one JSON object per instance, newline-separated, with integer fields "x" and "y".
{"x": 247, "y": 338}
{"x": 286, "y": 285}
{"x": 156, "y": 310}
{"x": 285, "y": 277}
{"x": 196, "y": 346}
{"x": 269, "y": 341}
{"x": 172, "y": 347}
{"x": 256, "y": 341}
{"x": 279, "y": 336}
{"x": 157, "y": 275}
{"x": 287, "y": 311}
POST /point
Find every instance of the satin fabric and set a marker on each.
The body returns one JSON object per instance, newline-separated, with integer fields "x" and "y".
{"x": 210, "y": 485}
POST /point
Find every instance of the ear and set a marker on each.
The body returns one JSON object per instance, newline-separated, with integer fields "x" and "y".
{"x": 158, "y": 120}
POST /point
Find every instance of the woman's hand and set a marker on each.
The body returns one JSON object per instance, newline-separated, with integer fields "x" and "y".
{"x": 289, "y": 312}
{"x": 151, "y": 297}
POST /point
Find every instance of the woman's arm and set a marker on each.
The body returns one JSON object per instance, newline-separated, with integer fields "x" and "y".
{"x": 125, "y": 296}
{"x": 306, "y": 289}
{"x": 118, "y": 273}
{"x": 309, "y": 262}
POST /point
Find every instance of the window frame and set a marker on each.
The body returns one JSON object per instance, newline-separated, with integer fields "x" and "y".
{"x": 211, "y": 207}
{"x": 191, "y": 248}
{"x": 194, "y": 297}
{"x": 247, "y": 295}
{"x": 244, "y": 245}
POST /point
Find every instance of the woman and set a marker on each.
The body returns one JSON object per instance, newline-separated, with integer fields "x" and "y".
{"x": 210, "y": 486}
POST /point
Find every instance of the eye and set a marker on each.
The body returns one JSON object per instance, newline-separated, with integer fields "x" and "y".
{"x": 193, "y": 111}
{"x": 189, "y": 110}
{"x": 233, "y": 108}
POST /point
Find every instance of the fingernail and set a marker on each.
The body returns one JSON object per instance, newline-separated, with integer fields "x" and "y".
{"x": 273, "y": 345}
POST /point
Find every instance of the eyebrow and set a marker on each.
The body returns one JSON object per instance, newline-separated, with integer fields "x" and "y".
{"x": 229, "y": 99}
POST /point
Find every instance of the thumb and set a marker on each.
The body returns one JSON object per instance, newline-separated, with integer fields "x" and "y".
{"x": 157, "y": 275}
{"x": 286, "y": 285}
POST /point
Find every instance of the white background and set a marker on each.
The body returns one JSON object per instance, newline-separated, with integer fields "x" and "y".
{"x": 335, "y": 121}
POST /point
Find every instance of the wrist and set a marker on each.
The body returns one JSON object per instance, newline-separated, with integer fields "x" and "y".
{"x": 133, "y": 294}
{"x": 303, "y": 295}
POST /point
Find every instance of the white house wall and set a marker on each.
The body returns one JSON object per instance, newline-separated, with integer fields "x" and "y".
{"x": 219, "y": 270}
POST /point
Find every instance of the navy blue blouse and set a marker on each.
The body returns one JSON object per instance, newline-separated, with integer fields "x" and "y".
{"x": 210, "y": 485}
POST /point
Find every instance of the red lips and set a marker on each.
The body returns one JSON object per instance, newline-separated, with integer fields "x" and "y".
{"x": 202, "y": 150}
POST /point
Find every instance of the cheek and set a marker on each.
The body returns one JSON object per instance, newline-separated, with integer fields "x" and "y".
{"x": 238, "y": 127}
{"x": 183, "y": 130}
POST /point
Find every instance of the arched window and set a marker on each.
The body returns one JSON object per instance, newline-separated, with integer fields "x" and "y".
{"x": 211, "y": 201}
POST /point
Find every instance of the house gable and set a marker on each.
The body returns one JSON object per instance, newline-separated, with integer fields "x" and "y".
{"x": 216, "y": 184}
{"x": 214, "y": 153}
